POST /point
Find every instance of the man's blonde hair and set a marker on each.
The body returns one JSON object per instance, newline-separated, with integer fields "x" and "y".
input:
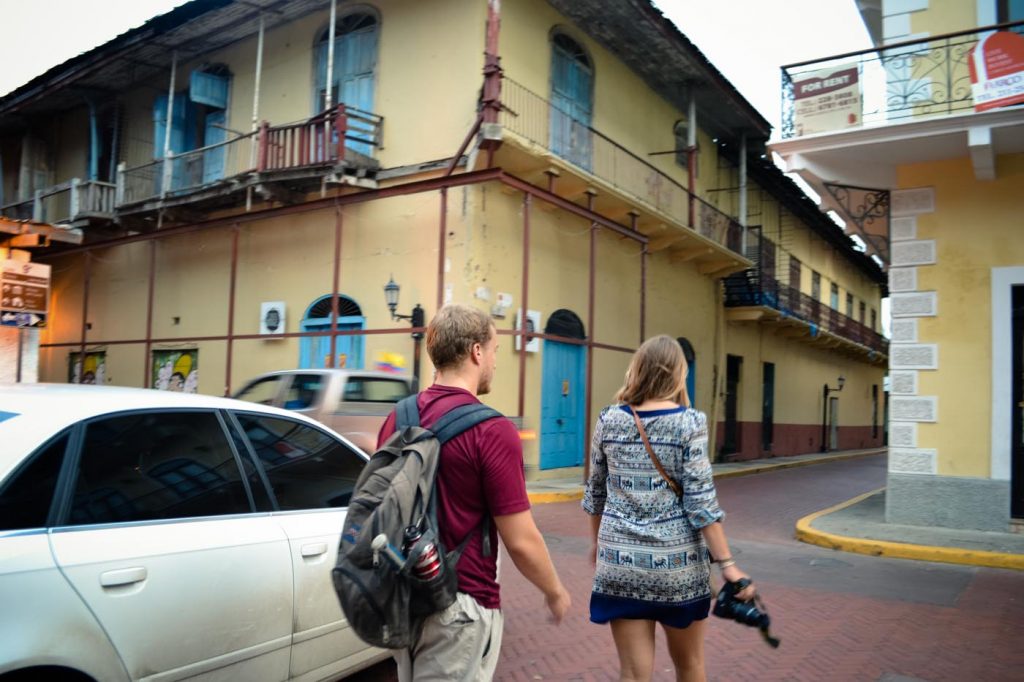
{"x": 656, "y": 372}
{"x": 452, "y": 333}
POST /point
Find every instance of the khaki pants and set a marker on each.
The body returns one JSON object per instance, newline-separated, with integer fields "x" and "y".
{"x": 460, "y": 643}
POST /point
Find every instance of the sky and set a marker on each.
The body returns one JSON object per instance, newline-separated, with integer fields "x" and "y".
{"x": 747, "y": 52}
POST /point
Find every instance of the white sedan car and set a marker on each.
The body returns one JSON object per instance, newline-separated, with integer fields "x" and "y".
{"x": 148, "y": 535}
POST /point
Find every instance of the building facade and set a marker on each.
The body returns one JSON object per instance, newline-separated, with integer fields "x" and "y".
{"x": 930, "y": 165}
{"x": 241, "y": 211}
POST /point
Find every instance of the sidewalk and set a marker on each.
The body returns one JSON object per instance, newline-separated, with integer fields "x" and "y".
{"x": 857, "y": 525}
{"x": 568, "y": 489}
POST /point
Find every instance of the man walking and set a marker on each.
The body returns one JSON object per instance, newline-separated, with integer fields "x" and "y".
{"x": 480, "y": 478}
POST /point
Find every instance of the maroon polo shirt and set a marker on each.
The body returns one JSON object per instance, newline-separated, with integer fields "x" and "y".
{"x": 480, "y": 475}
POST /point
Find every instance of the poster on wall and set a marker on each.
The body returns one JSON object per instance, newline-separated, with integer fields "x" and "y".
{"x": 92, "y": 371}
{"x": 176, "y": 370}
{"x": 997, "y": 70}
{"x": 827, "y": 100}
{"x": 532, "y": 325}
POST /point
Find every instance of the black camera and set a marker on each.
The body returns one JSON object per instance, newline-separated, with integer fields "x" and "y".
{"x": 746, "y": 612}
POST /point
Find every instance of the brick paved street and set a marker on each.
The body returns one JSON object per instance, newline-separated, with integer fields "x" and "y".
{"x": 840, "y": 616}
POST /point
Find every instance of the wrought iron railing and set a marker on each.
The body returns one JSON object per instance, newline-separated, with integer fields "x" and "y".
{"x": 908, "y": 80}
{"x": 536, "y": 119}
{"x": 757, "y": 288}
{"x": 65, "y": 202}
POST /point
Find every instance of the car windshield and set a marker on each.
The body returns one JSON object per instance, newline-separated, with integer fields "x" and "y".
{"x": 302, "y": 392}
{"x": 262, "y": 391}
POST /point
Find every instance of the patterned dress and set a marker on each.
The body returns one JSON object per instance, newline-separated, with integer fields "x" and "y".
{"x": 651, "y": 560}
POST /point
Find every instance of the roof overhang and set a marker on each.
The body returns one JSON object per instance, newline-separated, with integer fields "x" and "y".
{"x": 26, "y": 234}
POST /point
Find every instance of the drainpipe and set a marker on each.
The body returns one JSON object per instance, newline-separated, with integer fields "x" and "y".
{"x": 170, "y": 124}
{"x": 527, "y": 200}
{"x": 492, "y": 64}
{"x": 330, "y": 56}
{"x": 691, "y": 156}
{"x": 743, "y": 193}
{"x": 231, "y": 308}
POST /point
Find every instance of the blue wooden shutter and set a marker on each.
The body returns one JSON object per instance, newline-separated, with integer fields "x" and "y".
{"x": 214, "y": 159}
{"x": 177, "y": 126}
{"x": 209, "y": 89}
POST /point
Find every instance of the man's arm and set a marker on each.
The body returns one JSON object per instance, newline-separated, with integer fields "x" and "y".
{"x": 529, "y": 553}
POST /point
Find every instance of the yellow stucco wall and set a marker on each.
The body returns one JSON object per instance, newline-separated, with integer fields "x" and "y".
{"x": 989, "y": 213}
{"x": 945, "y": 16}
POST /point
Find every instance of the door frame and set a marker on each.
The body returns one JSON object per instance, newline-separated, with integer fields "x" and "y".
{"x": 732, "y": 441}
{"x": 1003, "y": 282}
{"x": 550, "y": 390}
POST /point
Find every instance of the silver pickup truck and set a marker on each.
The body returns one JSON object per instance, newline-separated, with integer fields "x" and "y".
{"x": 352, "y": 402}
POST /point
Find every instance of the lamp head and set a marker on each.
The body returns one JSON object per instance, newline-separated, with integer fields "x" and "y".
{"x": 842, "y": 380}
{"x": 391, "y": 291}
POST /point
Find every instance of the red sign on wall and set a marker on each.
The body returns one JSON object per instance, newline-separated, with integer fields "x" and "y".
{"x": 997, "y": 70}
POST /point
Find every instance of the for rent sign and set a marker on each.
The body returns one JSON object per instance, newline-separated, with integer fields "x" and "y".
{"x": 827, "y": 100}
{"x": 997, "y": 70}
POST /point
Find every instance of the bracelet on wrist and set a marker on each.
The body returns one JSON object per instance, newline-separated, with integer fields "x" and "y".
{"x": 725, "y": 558}
{"x": 722, "y": 565}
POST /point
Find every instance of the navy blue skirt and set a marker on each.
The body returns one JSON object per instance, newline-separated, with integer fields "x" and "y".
{"x": 604, "y": 608}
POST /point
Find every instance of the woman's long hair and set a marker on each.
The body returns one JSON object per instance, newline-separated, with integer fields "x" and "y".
{"x": 656, "y": 372}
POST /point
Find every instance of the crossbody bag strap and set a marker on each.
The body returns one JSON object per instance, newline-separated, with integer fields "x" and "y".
{"x": 654, "y": 458}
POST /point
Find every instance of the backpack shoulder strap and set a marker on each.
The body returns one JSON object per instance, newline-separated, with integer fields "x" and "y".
{"x": 407, "y": 412}
{"x": 461, "y": 419}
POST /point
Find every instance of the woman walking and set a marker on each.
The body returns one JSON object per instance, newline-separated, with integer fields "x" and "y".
{"x": 651, "y": 548}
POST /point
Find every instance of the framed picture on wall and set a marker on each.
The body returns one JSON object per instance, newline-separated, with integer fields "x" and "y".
{"x": 176, "y": 370}
{"x": 92, "y": 371}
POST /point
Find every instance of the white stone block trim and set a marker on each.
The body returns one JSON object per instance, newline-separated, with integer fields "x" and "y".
{"x": 903, "y": 330}
{"x": 903, "y": 229}
{"x": 895, "y": 26}
{"x": 1003, "y": 281}
{"x": 914, "y": 304}
{"x": 914, "y": 408}
{"x": 902, "y": 434}
{"x": 913, "y": 356}
{"x": 913, "y": 461}
{"x": 902, "y": 279}
{"x": 903, "y": 382}
{"x": 904, "y": 202}
{"x": 917, "y": 252}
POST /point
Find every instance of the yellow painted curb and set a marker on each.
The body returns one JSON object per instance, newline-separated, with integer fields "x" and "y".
{"x": 899, "y": 550}
{"x": 793, "y": 465}
{"x": 545, "y": 498}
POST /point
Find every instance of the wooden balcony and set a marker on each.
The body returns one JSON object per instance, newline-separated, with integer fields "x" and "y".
{"x": 77, "y": 203}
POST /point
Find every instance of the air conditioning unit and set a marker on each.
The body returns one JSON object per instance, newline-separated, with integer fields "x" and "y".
{"x": 272, "y": 318}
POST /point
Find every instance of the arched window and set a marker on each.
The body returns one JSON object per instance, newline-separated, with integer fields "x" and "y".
{"x": 315, "y": 351}
{"x": 572, "y": 93}
{"x": 355, "y": 64}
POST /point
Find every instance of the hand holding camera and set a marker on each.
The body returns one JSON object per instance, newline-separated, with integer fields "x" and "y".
{"x": 738, "y": 601}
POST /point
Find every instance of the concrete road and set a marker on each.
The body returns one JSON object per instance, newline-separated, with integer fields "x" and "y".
{"x": 840, "y": 616}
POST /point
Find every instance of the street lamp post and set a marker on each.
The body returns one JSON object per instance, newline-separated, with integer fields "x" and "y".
{"x": 825, "y": 391}
{"x": 416, "y": 320}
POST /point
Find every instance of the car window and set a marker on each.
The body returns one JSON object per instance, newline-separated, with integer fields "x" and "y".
{"x": 374, "y": 390}
{"x": 307, "y": 468}
{"x": 156, "y": 465}
{"x": 302, "y": 392}
{"x": 262, "y": 391}
{"x": 25, "y": 499}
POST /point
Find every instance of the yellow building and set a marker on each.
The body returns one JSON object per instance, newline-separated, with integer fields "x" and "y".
{"x": 583, "y": 164}
{"x": 928, "y": 161}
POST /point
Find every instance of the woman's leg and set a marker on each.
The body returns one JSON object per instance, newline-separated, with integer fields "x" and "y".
{"x": 634, "y": 640}
{"x": 686, "y": 646}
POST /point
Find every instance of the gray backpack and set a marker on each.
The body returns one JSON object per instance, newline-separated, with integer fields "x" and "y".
{"x": 384, "y": 600}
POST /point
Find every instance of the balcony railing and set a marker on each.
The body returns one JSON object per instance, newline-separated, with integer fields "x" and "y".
{"x": 321, "y": 139}
{"x": 757, "y": 288}
{"x": 66, "y": 202}
{"x": 910, "y": 80}
{"x": 534, "y": 118}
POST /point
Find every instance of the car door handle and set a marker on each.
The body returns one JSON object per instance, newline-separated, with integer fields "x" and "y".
{"x": 315, "y": 549}
{"x": 123, "y": 576}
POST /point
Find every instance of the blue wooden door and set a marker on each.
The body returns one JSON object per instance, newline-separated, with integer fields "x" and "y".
{"x": 562, "y": 405}
{"x": 315, "y": 351}
{"x": 571, "y": 105}
{"x": 355, "y": 64}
